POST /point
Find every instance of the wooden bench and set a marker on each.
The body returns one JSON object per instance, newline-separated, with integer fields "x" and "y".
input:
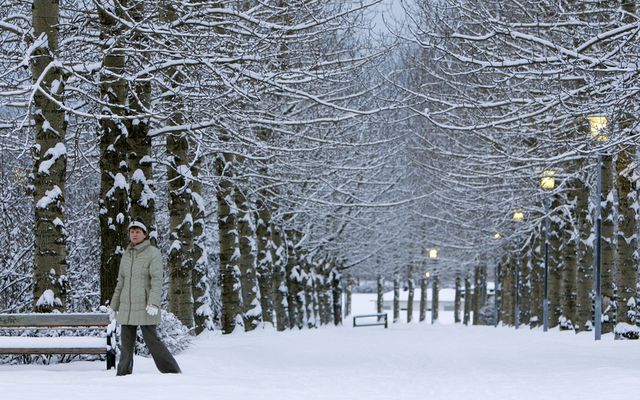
{"x": 60, "y": 344}
{"x": 381, "y": 319}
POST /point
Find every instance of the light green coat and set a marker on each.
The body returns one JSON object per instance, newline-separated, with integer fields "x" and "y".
{"x": 139, "y": 284}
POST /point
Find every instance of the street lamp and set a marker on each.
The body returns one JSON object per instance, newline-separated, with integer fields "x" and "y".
{"x": 597, "y": 126}
{"x": 547, "y": 182}
{"x": 518, "y": 216}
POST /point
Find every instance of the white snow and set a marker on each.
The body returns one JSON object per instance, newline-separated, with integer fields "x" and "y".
{"x": 404, "y": 362}
{"x": 53, "y": 153}
{"x": 47, "y": 298}
{"x": 50, "y": 196}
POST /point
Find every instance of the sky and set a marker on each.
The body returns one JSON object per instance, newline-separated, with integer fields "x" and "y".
{"x": 389, "y": 11}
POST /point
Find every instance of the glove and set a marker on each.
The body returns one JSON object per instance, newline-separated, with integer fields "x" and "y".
{"x": 112, "y": 315}
{"x": 152, "y": 310}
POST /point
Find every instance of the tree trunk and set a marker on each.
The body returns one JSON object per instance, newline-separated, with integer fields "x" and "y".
{"x": 508, "y": 288}
{"x": 201, "y": 288}
{"x": 609, "y": 292}
{"x": 627, "y": 243}
{"x": 584, "y": 273}
{"x": 348, "y": 291}
{"x": 335, "y": 279}
{"x": 627, "y": 278}
{"x": 380, "y": 291}
{"x": 435, "y": 297}
{"x": 423, "y": 299}
{"x": 396, "y": 298}
{"x": 265, "y": 267}
{"x": 525, "y": 288}
{"x": 476, "y": 295}
{"x": 281, "y": 290}
{"x": 410, "y": 294}
{"x": 569, "y": 264}
{"x": 295, "y": 319}
{"x": 467, "y": 299}
{"x": 555, "y": 268}
{"x": 232, "y": 303}
{"x": 456, "y": 302}
{"x": 50, "y": 163}
{"x": 180, "y": 261}
{"x": 252, "y": 310}
{"x": 537, "y": 277}
{"x": 140, "y": 163}
{"x": 114, "y": 189}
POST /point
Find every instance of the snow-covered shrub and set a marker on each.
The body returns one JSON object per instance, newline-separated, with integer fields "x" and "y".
{"x": 626, "y": 331}
{"x": 171, "y": 332}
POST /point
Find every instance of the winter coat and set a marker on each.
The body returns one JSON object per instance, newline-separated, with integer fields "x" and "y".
{"x": 139, "y": 284}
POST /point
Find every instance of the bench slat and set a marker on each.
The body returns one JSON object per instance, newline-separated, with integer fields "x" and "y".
{"x": 53, "y": 350}
{"x": 53, "y": 320}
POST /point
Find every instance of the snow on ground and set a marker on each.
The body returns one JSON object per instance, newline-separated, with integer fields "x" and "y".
{"x": 406, "y": 361}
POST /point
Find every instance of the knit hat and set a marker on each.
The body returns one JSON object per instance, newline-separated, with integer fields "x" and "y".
{"x": 138, "y": 224}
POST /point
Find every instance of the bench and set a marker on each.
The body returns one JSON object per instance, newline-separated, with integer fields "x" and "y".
{"x": 381, "y": 319}
{"x": 17, "y": 345}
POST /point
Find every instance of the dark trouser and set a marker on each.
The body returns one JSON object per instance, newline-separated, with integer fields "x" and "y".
{"x": 161, "y": 355}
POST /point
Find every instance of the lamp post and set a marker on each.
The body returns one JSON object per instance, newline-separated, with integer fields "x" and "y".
{"x": 518, "y": 216}
{"x": 548, "y": 183}
{"x": 433, "y": 255}
{"x": 597, "y": 126}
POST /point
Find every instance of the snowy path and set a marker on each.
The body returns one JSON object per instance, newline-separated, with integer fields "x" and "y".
{"x": 416, "y": 361}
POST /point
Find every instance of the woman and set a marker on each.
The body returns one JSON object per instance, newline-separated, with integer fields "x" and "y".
{"x": 136, "y": 301}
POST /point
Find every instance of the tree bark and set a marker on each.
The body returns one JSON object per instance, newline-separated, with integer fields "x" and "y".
{"x": 51, "y": 286}
{"x": 396, "y": 298}
{"x": 114, "y": 189}
{"x": 584, "y": 272}
{"x": 435, "y": 297}
{"x": 232, "y": 302}
{"x": 252, "y": 310}
{"x": 467, "y": 299}
{"x": 456, "y": 302}
{"x": 140, "y": 163}
{"x": 281, "y": 304}
{"x": 410, "y": 295}
{"x": 609, "y": 292}
{"x": 423, "y": 299}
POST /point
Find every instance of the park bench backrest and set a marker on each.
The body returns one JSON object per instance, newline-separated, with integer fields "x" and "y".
{"x": 62, "y": 320}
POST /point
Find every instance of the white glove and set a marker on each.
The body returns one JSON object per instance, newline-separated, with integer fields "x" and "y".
{"x": 152, "y": 310}
{"x": 112, "y": 315}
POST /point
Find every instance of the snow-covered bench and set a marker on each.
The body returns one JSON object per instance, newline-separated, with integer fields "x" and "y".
{"x": 60, "y": 344}
{"x": 380, "y": 319}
